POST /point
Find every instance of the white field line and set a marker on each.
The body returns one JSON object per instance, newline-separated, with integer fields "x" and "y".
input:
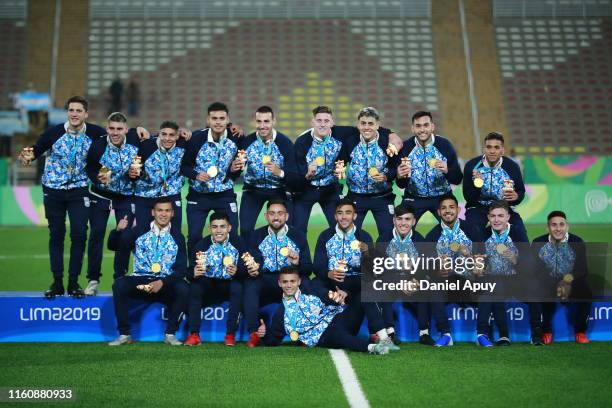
{"x": 350, "y": 383}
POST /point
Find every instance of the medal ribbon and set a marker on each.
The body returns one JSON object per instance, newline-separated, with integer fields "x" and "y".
{"x": 164, "y": 164}
{"x": 158, "y": 252}
{"x": 502, "y": 237}
{"x": 449, "y": 233}
{"x": 320, "y": 149}
{"x": 76, "y": 147}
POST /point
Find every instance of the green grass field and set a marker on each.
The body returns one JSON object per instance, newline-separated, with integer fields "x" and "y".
{"x": 24, "y": 260}
{"x": 155, "y": 375}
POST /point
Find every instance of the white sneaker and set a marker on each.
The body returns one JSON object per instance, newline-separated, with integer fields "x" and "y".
{"x": 92, "y": 288}
{"x": 172, "y": 340}
{"x": 380, "y": 349}
{"x": 121, "y": 340}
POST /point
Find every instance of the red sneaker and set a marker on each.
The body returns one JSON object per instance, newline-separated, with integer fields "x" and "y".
{"x": 229, "y": 340}
{"x": 547, "y": 338}
{"x": 253, "y": 340}
{"x": 193, "y": 340}
{"x": 582, "y": 338}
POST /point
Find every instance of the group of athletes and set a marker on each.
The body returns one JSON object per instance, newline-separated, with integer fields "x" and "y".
{"x": 90, "y": 170}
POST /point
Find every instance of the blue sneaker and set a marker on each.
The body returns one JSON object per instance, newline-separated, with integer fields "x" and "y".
{"x": 444, "y": 341}
{"x": 483, "y": 340}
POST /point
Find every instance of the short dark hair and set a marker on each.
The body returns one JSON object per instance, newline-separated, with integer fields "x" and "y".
{"x": 345, "y": 201}
{"x": 117, "y": 117}
{"x": 219, "y": 215}
{"x": 404, "y": 209}
{"x": 556, "y": 213}
{"x": 495, "y": 136}
{"x": 289, "y": 270}
{"x": 278, "y": 201}
{"x": 265, "y": 109}
{"x": 170, "y": 124}
{"x": 499, "y": 204}
{"x": 77, "y": 99}
{"x": 420, "y": 114}
{"x": 447, "y": 196}
{"x": 368, "y": 112}
{"x": 322, "y": 109}
{"x": 163, "y": 200}
{"x": 217, "y": 106}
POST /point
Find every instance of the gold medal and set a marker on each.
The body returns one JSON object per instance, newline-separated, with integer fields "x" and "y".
{"x": 104, "y": 170}
{"x": 284, "y": 251}
{"x": 266, "y": 159}
{"x": 355, "y": 244}
{"x": 454, "y": 246}
{"x": 501, "y": 248}
{"x": 294, "y": 335}
{"x": 212, "y": 171}
{"x": 372, "y": 171}
{"x": 478, "y": 182}
{"x": 156, "y": 267}
{"x": 320, "y": 160}
{"x": 432, "y": 162}
{"x": 228, "y": 260}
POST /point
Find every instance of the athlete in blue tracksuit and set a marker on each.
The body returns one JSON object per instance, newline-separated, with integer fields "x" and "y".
{"x": 403, "y": 240}
{"x": 491, "y": 177}
{"x": 428, "y": 166}
{"x": 507, "y": 257}
{"x": 337, "y": 264}
{"x": 65, "y": 190}
{"x": 371, "y": 171}
{"x": 453, "y": 238}
{"x": 159, "y": 174}
{"x": 209, "y": 164}
{"x": 274, "y": 247}
{"x": 316, "y": 152}
{"x": 108, "y": 164}
{"x": 160, "y": 262}
{"x": 270, "y": 170}
{"x": 217, "y": 275}
{"x": 561, "y": 262}
{"x": 315, "y": 317}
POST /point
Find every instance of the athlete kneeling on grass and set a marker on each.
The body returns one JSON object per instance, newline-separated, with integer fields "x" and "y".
{"x": 316, "y": 318}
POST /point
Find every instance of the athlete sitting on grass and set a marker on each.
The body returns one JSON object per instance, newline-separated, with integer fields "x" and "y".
{"x": 319, "y": 319}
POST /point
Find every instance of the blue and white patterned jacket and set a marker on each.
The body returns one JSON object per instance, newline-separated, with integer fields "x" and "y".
{"x": 493, "y": 178}
{"x": 280, "y": 150}
{"x": 307, "y": 314}
{"x": 333, "y": 245}
{"x": 215, "y": 252}
{"x": 266, "y": 247}
{"x": 152, "y": 245}
{"x": 364, "y": 156}
{"x": 308, "y": 149}
{"x": 67, "y": 155}
{"x": 160, "y": 175}
{"x": 425, "y": 181}
{"x": 116, "y": 158}
{"x": 557, "y": 260}
{"x": 202, "y": 153}
{"x": 497, "y": 265}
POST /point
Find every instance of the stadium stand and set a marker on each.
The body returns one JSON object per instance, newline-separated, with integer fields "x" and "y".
{"x": 346, "y": 64}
